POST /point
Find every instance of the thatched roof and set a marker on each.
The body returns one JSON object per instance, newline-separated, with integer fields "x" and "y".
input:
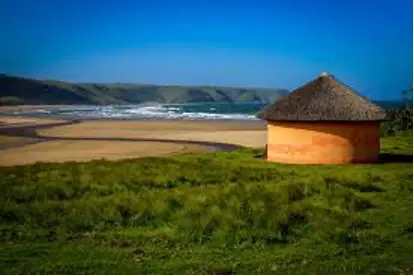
{"x": 323, "y": 99}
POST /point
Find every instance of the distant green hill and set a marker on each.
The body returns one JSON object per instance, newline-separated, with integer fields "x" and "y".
{"x": 17, "y": 90}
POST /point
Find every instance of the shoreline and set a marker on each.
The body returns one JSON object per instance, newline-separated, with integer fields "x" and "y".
{"x": 89, "y": 119}
{"x": 27, "y": 108}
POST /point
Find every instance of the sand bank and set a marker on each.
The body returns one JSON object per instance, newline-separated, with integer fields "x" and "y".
{"x": 11, "y": 121}
{"x": 247, "y": 134}
{"x": 112, "y": 140}
{"x": 61, "y": 151}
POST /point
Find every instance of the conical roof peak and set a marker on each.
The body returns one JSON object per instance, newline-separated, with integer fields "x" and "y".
{"x": 323, "y": 99}
{"x": 326, "y": 74}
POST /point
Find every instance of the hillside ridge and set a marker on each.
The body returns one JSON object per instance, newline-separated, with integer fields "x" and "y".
{"x": 20, "y": 90}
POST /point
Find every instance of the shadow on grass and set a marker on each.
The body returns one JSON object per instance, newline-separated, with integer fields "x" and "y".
{"x": 395, "y": 158}
{"x": 384, "y": 158}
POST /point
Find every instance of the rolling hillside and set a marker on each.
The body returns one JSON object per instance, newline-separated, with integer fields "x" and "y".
{"x": 17, "y": 90}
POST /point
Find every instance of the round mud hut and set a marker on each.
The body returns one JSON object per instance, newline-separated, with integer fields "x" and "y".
{"x": 323, "y": 122}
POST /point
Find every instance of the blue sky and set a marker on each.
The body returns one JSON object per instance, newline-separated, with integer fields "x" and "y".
{"x": 366, "y": 44}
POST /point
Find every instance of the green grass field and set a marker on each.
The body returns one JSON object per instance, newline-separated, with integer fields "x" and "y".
{"x": 226, "y": 212}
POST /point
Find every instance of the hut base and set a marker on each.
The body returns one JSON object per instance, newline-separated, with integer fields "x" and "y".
{"x": 323, "y": 142}
{"x": 323, "y": 162}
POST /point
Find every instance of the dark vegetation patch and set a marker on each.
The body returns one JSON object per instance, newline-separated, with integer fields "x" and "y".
{"x": 399, "y": 121}
{"x": 366, "y": 185}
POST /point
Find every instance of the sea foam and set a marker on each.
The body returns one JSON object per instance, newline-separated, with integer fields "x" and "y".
{"x": 144, "y": 111}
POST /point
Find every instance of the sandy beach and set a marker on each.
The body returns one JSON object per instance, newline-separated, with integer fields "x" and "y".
{"x": 112, "y": 139}
{"x": 245, "y": 134}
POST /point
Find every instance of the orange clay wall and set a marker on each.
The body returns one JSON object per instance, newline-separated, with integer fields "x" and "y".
{"x": 323, "y": 143}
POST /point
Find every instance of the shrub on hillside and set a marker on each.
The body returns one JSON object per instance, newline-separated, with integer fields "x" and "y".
{"x": 11, "y": 101}
{"x": 399, "y": 120}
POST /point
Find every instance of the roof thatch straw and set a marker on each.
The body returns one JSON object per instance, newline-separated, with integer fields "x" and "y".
{"x": 323, "y": 99}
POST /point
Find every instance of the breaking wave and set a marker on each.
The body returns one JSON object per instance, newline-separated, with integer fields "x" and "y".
{"x": 210, "y": 111}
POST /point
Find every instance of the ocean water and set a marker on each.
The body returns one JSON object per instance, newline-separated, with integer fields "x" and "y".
{"x": 199, "y": 111}
{"x": 191, "y": 111}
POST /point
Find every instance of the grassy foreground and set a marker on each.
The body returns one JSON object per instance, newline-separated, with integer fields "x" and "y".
{"x": 208, "y": 213}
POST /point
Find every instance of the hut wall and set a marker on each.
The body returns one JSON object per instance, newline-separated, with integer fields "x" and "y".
{"x": 323, "y": 143}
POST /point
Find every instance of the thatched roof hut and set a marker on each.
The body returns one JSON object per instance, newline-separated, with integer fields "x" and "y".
{"x": 323, "y": 121}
